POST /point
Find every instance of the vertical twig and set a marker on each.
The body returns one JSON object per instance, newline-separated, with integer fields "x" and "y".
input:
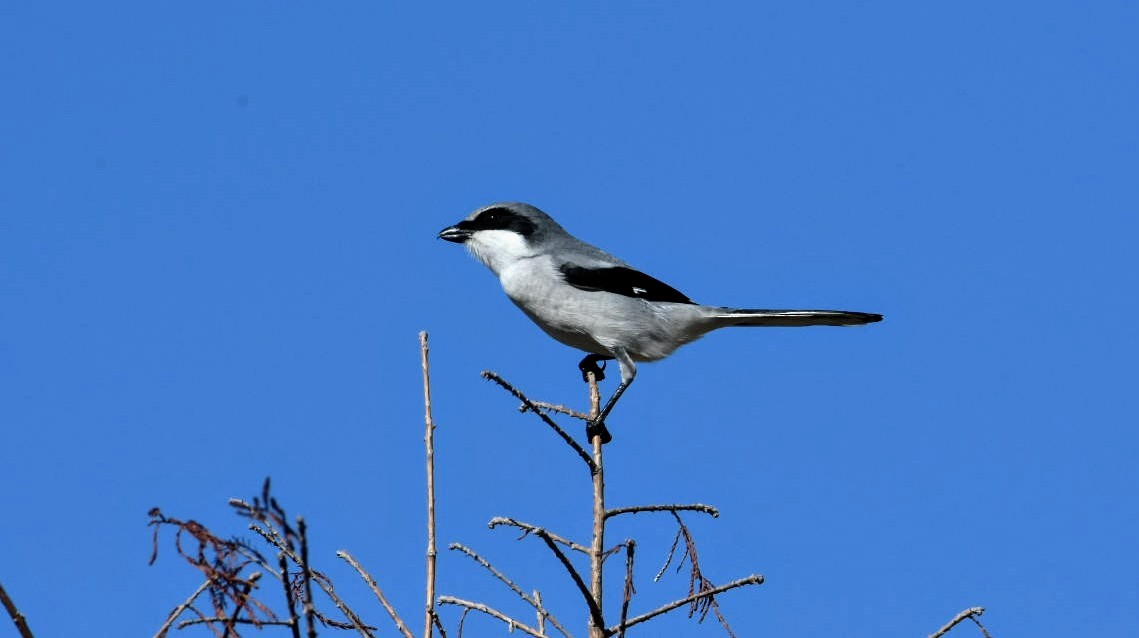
{"x": 630, "y": 548}
{"x": 439, "y": 625}
{"x": 310, "y": 605}
{"x": 290, "y": 600}
{"x": 429, "y": 442}
{"x": 597, "y": 547}
{"x": 239, "y": 604}
{"x": 541, "y": 618}
{"x": 628, "y": 597}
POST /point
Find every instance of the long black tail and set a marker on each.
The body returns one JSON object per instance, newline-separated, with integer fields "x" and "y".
{"x": 752, "y": 317}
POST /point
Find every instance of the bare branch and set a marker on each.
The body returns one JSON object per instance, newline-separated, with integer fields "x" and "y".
{"x": 510, "y": 622}
{"x": 429, "y": 444}
{"x": 487, "y": 374}
{"x": 534, "y": 601}
{"x": 18, "y": 618}
{"x": 320, "y": 579}
{"x": 754, "y": 579}
{"x": 376, "y": 590}
{"x": 636, "y": 509}
{"x": 556, "y": 407}
{"x": 593, "y": 604}
{"x": 972, "y": 613}
{"x": 497, "y": 574}
{"x": 162, "y": 631}
{"x": 530, "y": 529}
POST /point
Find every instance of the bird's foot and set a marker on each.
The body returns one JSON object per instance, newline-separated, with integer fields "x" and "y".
{"x": 589, "y": 364}
{"x": 597, "y": 428}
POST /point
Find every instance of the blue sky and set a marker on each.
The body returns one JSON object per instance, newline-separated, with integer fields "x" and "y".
{"x": 217, "y": 247}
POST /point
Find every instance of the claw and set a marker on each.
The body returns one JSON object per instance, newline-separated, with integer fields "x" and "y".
{"x": 597, "y": 428}
{"x": 589, "y": 364}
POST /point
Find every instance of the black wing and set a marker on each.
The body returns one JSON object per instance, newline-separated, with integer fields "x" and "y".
{"x": 621, "y": 281}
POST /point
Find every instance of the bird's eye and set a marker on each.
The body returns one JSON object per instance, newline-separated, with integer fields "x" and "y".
{"x": 500, "y": 218}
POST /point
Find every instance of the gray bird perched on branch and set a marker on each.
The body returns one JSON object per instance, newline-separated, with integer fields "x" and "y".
{"x": 592, "y": 301}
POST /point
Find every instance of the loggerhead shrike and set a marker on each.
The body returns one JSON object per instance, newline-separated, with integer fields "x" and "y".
{"x": 592, "y": 301}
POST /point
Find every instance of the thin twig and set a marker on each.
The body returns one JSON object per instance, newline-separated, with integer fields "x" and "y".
{"x": 241, "y": 601}
{"x": 18, "y": 618}
{"x": 972, "y": 612}
{"x": 487, "y": 374}
{"x": 594, "y": 606}
{"x": 627, "y": 597}
{"x": 636, "y": 509}
{"x": 309, "y": 606}
{"x": 754, "y": 579}
{"x": 530, "y": 529}
{"x": 696, "y": 580}
{"x": 977, "y": 621}
{"x": 235, "y": 621}
{"x": 541, "y": 618}
{"x": 510, "y": 622}
{"x": 429, "y": 443}
{"x": 320, "y": 579}
{"x": 534, "y": 601}
{"x": 462, "y": 617}
{"x": 376, "y": 590}
{"x": 555, "y": 407}
{"x": 438, "y": 625}
{"x": 162, "y": 631}
{"x": 669, "y": 557}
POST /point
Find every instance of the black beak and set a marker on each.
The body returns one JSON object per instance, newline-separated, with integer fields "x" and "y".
{"x": 455, "y": 234}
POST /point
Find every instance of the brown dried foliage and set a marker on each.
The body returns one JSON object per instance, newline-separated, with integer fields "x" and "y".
{"x": 233, "y": 569}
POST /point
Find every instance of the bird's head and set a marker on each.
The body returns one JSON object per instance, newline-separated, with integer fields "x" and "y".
{"x": 500, "y": 234}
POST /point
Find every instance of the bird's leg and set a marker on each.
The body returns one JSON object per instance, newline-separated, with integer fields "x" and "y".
{"x": 596, "y": 427}
{"x": 589, "y": 364}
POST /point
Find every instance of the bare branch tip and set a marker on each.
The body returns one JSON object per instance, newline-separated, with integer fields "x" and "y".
{"x": 971, "y": 613}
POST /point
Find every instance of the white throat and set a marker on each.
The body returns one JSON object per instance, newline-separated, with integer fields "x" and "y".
{"x": 499, "y": 249}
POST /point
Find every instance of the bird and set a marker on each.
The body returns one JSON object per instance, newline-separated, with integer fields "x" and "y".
{"x": 588, "y": 299}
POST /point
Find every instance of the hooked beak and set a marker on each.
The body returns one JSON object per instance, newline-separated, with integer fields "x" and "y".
{"x": 455, "y": 234}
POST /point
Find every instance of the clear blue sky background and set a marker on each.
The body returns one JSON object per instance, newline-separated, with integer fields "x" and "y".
{"x": 217, "y": 246}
